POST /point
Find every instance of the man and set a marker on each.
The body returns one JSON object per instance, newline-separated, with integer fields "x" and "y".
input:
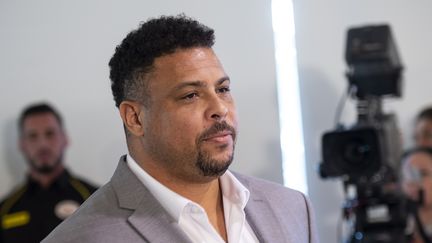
{"x": 423, "y": 128}
{"x": 50, "y": 193}
{"x": 417, "y": 177}
{"x": 180, "y": 123}
{"x": 417, "y": 185}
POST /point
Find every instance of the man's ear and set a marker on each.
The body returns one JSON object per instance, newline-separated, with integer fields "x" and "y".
{"x": 130, "y": 113}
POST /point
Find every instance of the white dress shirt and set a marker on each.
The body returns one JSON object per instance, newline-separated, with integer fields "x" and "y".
{"x": 193, "y": 219}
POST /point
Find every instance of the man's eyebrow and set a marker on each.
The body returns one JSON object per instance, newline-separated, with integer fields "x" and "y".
{"x": 223, "y": 79}
{"x": 199, "y": 83}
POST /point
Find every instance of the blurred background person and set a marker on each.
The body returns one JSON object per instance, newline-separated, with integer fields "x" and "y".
{"x": 423, "y": 128}
{"x": 50, "y": 193}
{"x": 417, "y": 185}
{"x": 417, "y": 176}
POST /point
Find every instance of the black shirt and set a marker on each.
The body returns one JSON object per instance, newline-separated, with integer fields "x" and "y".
{"x": 31, "y": 212}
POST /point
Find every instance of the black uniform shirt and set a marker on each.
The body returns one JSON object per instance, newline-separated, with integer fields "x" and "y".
{"x": 32, "y": 212}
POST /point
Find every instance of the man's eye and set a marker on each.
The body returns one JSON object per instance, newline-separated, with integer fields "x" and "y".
{"x": 224, "y": 90}
{"x": 32, "y": 136}
{"x": 190, "y": 96}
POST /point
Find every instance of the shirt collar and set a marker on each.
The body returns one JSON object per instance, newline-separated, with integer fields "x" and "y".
{"x": 232, "y": 190}
{"x": 170, "y": 200}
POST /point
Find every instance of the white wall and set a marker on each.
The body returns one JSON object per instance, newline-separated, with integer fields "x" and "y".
{"x": 58, "y": 51}
{"x": 321, "y": 28}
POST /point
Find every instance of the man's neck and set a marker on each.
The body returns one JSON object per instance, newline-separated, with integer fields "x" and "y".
{"x": 209, "y": 196}
{"x": 206, "y": 192}
{"x": 45, "y": 180}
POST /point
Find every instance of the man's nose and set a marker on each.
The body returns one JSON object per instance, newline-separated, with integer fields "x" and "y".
{"x": 217, "y": 109}
{"x": 42, "y": 141}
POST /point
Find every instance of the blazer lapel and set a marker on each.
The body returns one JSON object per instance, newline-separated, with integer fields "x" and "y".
{"x": 262, "y": 220}
{"x": 260, "y": 215}
{"x": 155, "y": 225}
{"x": 149, "y": 218}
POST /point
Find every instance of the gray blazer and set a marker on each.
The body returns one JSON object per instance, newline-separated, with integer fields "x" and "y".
{"x": 124, "y": 210}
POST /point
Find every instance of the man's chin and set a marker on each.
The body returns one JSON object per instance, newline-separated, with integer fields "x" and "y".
{"x": 44, "y": 164}
{"x": 46, "y": 169}
{"x": 214, "y": 167}
{"x": 221, "y": 153}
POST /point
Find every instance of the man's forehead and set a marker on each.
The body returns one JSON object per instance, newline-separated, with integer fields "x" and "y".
{"x": 41, "y": 120}
{"x": 188, "y": 59}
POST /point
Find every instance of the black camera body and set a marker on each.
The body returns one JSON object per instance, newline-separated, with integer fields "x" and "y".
{"x": 356, "y": 152}
{"x": 374, "y": 72}
{"x": 363, "y": 151}
{"x": 374, "y": 67}
{"x": 366, "y": 155}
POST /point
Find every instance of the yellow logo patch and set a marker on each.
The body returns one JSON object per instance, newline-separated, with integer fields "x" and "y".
{"x": 15, "y": 219}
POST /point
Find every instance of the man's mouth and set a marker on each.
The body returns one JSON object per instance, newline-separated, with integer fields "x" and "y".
{"x": 220, "y": 137}
{"x": 44, "y": 155}
{"x": 221, "y": 133}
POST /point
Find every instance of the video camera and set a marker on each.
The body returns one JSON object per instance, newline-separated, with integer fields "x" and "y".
{"x": 366, "y": 155}
{"x": 374, "y": 71}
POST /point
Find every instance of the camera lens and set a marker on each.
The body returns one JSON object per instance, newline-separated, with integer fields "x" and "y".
{"x": 356, "y": 153}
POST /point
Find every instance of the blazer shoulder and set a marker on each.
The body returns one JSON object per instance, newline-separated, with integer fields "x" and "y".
{"x": 269, "y": 188}
{"x": 289, "y": 208}
{"x": 282, "y": 200}
{"x": 98, "y": 214}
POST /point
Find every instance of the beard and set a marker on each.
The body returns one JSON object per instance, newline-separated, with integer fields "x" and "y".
{"x": 211, "y": 167}
{"x": 204, "y": 162}
{"x": 44, "y": 169}
{"x": 188, "y": 163}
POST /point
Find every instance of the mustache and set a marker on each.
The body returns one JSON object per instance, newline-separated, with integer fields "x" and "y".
{"x": 217, "y": 128}
{"x": 43, "y": 152}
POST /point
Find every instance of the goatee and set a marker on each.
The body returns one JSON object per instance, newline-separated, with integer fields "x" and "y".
{"x": 212, "y": 167}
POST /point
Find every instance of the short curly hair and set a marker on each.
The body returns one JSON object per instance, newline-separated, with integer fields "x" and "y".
{"x": 134, "y": 57}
